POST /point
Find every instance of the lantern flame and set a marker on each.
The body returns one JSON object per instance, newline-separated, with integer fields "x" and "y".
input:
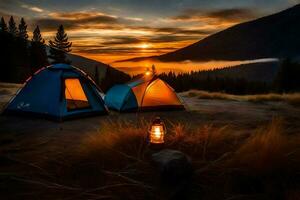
{"x": 148, "y": 73}
{"x": 157, "y": 132}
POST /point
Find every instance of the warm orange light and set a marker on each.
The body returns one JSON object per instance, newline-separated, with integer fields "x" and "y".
{"x": 157, "y": 132}
{"x": 74, "y": 90}
{"x": 148, "y": 73}
{"x": 144, "y": 46}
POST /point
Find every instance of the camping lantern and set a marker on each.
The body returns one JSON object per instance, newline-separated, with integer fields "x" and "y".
{"x": 157, "y": 132}
{"x": 148, "y": 73}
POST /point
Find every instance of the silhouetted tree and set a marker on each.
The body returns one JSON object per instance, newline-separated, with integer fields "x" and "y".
{"x": 23, "y": 29}
{"x": 153, "y": 69}
{"x": 12, "y": 29}
{"x": 209, "y": 81}
{"x": 37, "y": 36}
{"x": 9, "y": 70}
{"x": 22, "y": 51}
{"x": 5, "y": 49}
{"x": 287, "y": 79}
{"x": 60, "y": 46}
{"x": 38, "y": 54}
{"x": 3, "y": 26}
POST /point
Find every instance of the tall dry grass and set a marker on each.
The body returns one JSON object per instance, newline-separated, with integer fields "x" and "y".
{"x": 268, "y": 149}
{"x": 115, "y": 163}
{"x": 227, "y": 162}
{"x": 291, "y": 98}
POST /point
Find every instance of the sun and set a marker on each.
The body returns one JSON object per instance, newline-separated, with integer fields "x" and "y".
{"x": 144, "y": 46}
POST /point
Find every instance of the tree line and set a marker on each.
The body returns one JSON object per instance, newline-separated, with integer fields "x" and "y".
{"x": 287, "y": 80}
{"x": 208, "y": 82}
{"x": 21, "y": 57}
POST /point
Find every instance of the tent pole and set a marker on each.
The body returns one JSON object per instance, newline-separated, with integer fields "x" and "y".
{"x": 142, "y": 100}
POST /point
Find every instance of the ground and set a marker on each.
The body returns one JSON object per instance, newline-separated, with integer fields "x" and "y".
{"x": 26, "y": 144}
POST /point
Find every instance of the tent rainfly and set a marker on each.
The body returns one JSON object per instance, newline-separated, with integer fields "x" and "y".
{"x": 146, "y": 92}
{"x": 58, "y": 92}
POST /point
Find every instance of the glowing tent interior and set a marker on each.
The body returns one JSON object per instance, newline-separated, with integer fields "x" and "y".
{"x": 146, "y": 92}
{"x": 59, "y": 91}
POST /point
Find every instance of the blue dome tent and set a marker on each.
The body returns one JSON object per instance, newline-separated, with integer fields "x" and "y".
{"x": 58, "y": 92}
{"x": 146, "y": 92}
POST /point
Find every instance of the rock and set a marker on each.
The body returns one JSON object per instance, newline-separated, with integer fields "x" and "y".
{"x": 174, "y": 165}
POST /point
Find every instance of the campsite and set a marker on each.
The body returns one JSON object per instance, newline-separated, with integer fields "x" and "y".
{"x": 71, "y": 159}
{"x": 166, "y": 100}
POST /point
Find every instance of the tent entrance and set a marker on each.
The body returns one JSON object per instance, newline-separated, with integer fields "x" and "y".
{"x": 157, "y": 93}
{"x": 74, "y": 94}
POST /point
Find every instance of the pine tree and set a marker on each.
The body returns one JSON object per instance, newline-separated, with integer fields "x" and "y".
{"x": 60, "y": 46}
{"x": 23, "y": 30}
{"x": 23, "y": 52}
{"x": 37, "y": 51}
{"x": 3, "y": 26}
{"x": 37, "y": 37}
{"x": 12, "y": 29}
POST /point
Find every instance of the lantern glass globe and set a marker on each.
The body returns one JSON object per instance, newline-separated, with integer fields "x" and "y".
{"x": 157, "y": 131}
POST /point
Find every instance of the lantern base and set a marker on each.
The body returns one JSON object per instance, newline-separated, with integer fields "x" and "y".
{"x": 156, "y": 146}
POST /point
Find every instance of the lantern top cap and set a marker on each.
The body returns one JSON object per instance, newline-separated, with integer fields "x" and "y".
{"x": 157, "y": 120}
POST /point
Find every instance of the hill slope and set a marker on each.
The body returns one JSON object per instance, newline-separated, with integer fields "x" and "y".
{"x": 273, "y": 36}
{"x": 108, "y": 75}
{"x": 89, "y": 65}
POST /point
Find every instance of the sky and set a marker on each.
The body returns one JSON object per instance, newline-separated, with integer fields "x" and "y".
{"x": 111, "y": 30}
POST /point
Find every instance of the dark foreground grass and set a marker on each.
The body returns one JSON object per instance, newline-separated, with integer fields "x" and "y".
{"x": 114, "y": 163}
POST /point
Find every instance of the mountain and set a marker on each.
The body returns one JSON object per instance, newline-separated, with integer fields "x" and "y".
{"x": 107, "y": 75}
{"x": 273, "y": 36}
{"x": 89, "y": 65}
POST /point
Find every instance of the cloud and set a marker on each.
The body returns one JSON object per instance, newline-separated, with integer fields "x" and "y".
{"x": 120, "y": 30}
{"x": 84, "y": 16}
{"x": 134, "y": 19}
{"x": 94, "y": 32}
{"x": 232, "y": 14}
{"x": 184, "y": 31}
{"x": 84, "y": 20}
{"x": 32, "y": 8}
{"x": 133, "y": 42}
{"x": 172, "y": 38}
{"x": 220, "y": 15}
{"x": 123, "y": 50}
{"x": 172, "y": 30}
{"x": 122, "y": 40}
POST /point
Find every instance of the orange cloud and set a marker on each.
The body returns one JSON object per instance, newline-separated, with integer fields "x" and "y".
{"x": 109, "y": 37}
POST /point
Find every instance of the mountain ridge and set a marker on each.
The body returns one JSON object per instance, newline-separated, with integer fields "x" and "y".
{"x": 272, "y": 36}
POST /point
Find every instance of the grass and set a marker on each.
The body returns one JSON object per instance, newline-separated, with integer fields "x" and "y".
{"x": 114, "y": 163}
{"x": 291, "y": 98}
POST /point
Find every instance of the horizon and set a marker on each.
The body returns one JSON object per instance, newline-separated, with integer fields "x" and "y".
{"x": 112, "y": 31}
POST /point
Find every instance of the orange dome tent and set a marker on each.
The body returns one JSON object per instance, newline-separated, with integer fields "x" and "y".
{"x": 146, "y": 92}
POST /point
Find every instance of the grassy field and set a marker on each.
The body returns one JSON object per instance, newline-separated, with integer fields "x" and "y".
{"x": 113, "y": 162}
{"x": 239, "y": 150}
{"x": 292, "y": 98}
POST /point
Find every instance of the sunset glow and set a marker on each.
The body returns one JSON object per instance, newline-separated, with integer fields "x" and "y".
{"x": 109, "y": 31}
{"x": 144, "y": 46}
